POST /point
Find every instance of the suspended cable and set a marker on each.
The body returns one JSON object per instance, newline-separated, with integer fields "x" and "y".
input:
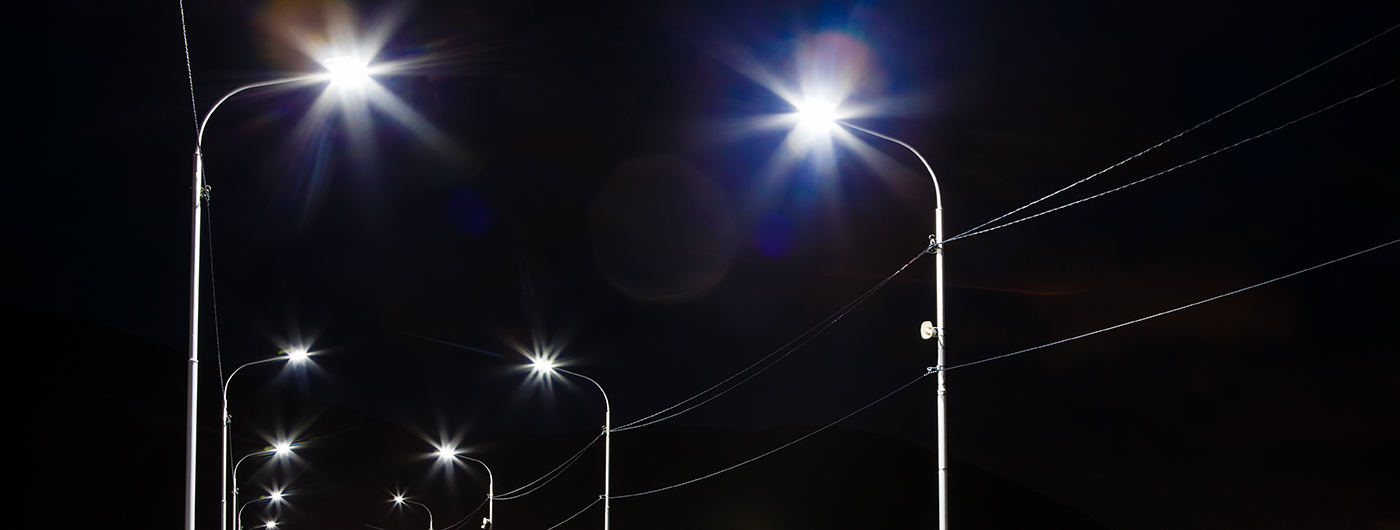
{"x": 1181, "y": 165}
{"x": 978, "y": 229}
{"x": 514, "y": 494}
{"x": 469, "y": 516}
{"x": 214, "y": 294}
{"x": 1170, "y": 311}
{"x": 189, "y": 71}
{"x": 571, "y": 517}
{"x": 786, "y": 349}
{"x": 930, "y": 371}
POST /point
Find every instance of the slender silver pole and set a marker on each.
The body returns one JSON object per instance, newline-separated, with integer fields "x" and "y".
{"x": 225, "y": 504}
{"x": 607, "y": 467}
{"x": 942, "y": 390}
{"x": 224, "y": 478}
{"x": 490, "y": 493}
{"x": 607, "y": 447}
{"x": 938, "y": 331}
{"x": 192, "y": 388}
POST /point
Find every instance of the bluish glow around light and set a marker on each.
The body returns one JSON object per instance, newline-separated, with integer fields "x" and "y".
{"x": 774, "y": 235}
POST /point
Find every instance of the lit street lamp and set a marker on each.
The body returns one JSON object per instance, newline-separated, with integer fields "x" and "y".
{"x": 344, "y": 71}
{"x": 272, "y": 497}
{"x": 541, "y": 364}
{"x": 449, "y": 453}
{"x": 293, "y": 356}
{"x": 399, "y": 500}
{"x": 278, "y": 450}
{"x": 823, "y": 114}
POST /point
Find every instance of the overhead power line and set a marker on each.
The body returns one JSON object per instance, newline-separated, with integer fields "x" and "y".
{"x": 786, "y": 350}
{"x": 547, "y": 477}
{"x": 1170, "y": 311}
{"x": 1178, "y": 166}
{"x": 784, "y": 446}
{"x": 576, "y": 514}
{"x": 978, "y": 229}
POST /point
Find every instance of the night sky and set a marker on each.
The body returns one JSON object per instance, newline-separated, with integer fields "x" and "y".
{"x": 613, "y": 183}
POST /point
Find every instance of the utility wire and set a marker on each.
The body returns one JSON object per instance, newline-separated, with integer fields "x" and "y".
{"x": 189, "y": 71}
{"x": 514, "y": 494}
{"x": 1176, "y": 167}
{"x": 214, "y": 299}
{"x": 930, "y": 371}
{"x": 571, "y": 517}
{"x": 1213, "y": 298}
{"x": 469, "y": 516}
{"x": 785, "y": 350}
{"x": 978, "y": 229}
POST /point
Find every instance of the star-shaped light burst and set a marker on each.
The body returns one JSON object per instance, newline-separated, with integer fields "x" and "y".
{"x": 348, "y": 72}
{"x": 350, "y": 51}
{"x": 831, "y": 78}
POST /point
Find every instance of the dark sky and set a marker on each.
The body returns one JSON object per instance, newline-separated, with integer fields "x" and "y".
{"x": 592, "y": 178}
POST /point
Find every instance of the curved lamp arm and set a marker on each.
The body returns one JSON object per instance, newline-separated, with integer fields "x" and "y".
{"x": 937, "y": 193}
{"x": 425, "y": 508}
{"x": 606, "y": 406}
{"x": 199, "y": 140}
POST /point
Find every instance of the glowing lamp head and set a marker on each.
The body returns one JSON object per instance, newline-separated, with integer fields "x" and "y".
{"x": 296, "y": 355}
{"x": 282, "y": 449}
{"x": 817, "y": 114}
{"x": 270, "y": 525}
{"x": 445, "y": 453}
{"x": 541, "y": 364}
{"x": 348, "y": 71}
{"x": 398, "y": 499}
{"x": 276, "y": 496}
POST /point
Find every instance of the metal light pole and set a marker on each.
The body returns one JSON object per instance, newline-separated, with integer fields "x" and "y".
{"x": 282, "y": 448}
{"x": 294, "y": 356}
{"x": 448, "y": 452}
{"x": 399, "y": 499}
{"x": 272, "y": 498}
{"x": 935, "y": 330}
{"x": 546, "y": 366}
{"x": 345, "y": 70}
{"x": 490, "y": 495}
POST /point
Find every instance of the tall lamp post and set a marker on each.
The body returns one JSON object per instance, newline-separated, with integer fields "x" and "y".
{"x": 823, "y": 114}
{"x": 399, "y": 500}
{"x": 293, "y": 356}
{"x": 273, "y": 497}
{"x": 448, "y": 453}
{"x": 341, "y": 70}
{"x": 278, "y": 450}
{"x": 544, "y": 365}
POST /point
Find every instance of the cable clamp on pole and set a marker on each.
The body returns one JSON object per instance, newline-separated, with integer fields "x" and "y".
{"x": 933, "y": 369}
{"x": 934, "y": 246}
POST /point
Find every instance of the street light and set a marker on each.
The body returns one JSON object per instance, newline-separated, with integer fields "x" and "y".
{"x": 450, "y": 453}
{"x": 341, "y": 70}
{"x": 818, "y": 113}
{"x": 399, "y": 500}
{"x": 546, "y": 366}
{"x": 272, "y": 497}
{"x": 292, "y": 356}
{"x": 278, "y": 450}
